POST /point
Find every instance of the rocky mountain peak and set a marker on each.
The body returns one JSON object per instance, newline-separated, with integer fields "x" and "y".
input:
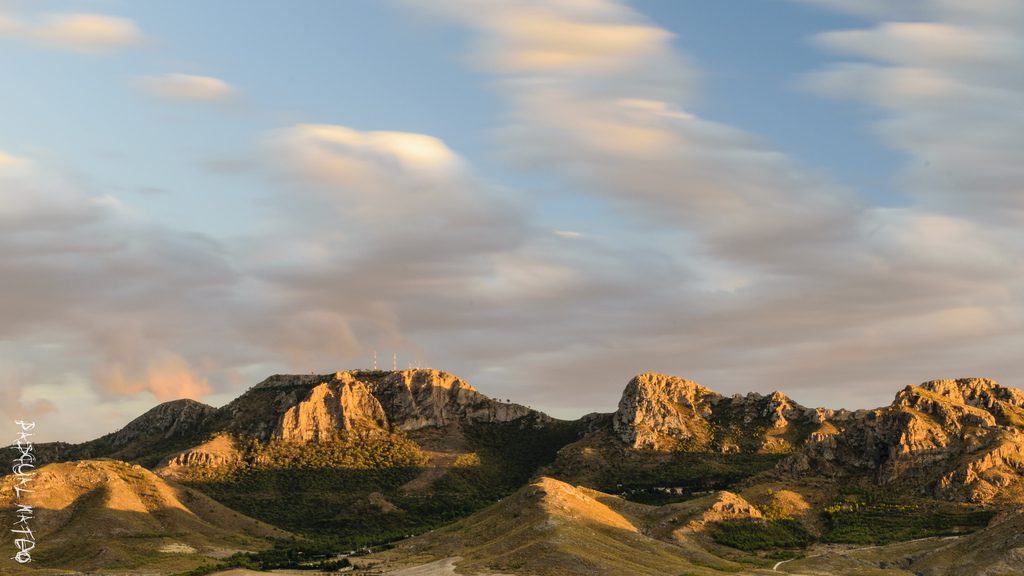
{"x": 170, "y": 419}
{"x": 658, "y": 412}
{"x": 420, "y": 378}
{"x": 315, "y": 407}
{"x": 978, "y": 392}
{"x": 652, "y": 384}
{"x": 665, "y": 413}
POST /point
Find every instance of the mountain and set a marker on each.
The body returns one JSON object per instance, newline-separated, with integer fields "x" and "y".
{"x": 665, "y": 413}
{"x": 162, "y": 429}
{"x": 370, "y": 455}
{"x": 99, "y": 514}
{"x": 953, "y": 439}
{"x": 296, "y": 408}
{"x": 374, "y": 454}
{"x": 678, "y": 479}
{"x": 318, "y": 407}
{"x": 672, "y": 438}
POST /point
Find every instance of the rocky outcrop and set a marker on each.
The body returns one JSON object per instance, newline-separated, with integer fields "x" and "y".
{"x": 959, "y": 439}
{"x": 318, "y": 408}
{"x": 342, "y": 405}
{"x": 415, "y": 399}
{"x": 659, "y": 412}
{"x": 666, "y": 413}
{"x": 727, "y": 506}
{"x": 218, "y": 452}
{"x": 313, "y": 407}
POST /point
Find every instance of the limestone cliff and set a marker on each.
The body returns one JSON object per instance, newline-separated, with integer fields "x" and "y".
{"x": 665, "y": 413}
{"x": 414, "y": 399}
{"x": 342, "y": 405}
{"x": 959, "y": 439}
{"x": 660, "y": 412}
{"x": 311, "y": 408}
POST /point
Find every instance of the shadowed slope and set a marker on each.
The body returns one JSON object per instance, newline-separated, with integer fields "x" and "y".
{"x": 95, "y": 514}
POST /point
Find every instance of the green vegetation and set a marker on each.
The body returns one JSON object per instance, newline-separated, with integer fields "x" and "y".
{"x": 351, "y": 487}
{"x": 691, "y": 471}
{"x": 284, "y": 555}
{"x": 322, "y": 487}
{"x": 866, "y": 517}
{"x": 753, "y": 535}
{"x": 864, "y": 522}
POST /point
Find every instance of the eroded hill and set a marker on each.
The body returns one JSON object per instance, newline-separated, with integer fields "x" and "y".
{"x": 102, "y": 514}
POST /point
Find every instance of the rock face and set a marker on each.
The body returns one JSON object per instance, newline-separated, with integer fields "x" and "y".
{"x": 415, "y": 399}
{"x": 660, "y": 412}
{"x": 960, "y": 439}
{"x": 344, "y": 404}
{"x": 957, "y": 439}
{"x": 314, "y": 407}
{"x": 219, "y": 451}
{"x": 666, "y": 413}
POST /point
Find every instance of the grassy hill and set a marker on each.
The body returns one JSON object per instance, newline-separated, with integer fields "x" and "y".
{"x": 102, "y": 515}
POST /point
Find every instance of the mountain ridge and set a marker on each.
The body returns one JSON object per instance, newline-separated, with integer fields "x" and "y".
{"x": 377, "y": 455}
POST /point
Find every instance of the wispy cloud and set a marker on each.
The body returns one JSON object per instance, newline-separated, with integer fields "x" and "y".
{"x": 91, "y": 33}
{"x": 716, "y": 255}
{"x": 771, "y": 269}
{"x": 187, "y": 88}
{"x": 944, "y": 81}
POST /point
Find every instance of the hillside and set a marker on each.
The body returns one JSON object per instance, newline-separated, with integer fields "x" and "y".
{"x": 553, "y": 528}
{"x": 100, "y": 514}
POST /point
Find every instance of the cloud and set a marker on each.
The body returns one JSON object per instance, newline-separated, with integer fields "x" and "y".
{"x": 8, "y": 25}
{"x": 944, "y": 82}
{"x": 91, "y": 33}
{"x": 748, "y": 266}
{"x": 536, "y": 38}
{"x": 613, "y": 121}
{"x": 713, "y": 254}
{"x": 13, "y": 406}
{"x": 401, "y": 194}
{"x": 92, "y": 289}
{"x": 188, "y": 88}
{"x": 168, "y": 377}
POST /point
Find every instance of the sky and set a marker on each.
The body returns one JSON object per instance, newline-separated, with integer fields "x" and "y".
{"x": 545, "y": 198}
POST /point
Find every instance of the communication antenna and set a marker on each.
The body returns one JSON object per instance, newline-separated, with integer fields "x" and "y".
{"x": 374, "y": 359}
{"x": 394, "y": 361}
